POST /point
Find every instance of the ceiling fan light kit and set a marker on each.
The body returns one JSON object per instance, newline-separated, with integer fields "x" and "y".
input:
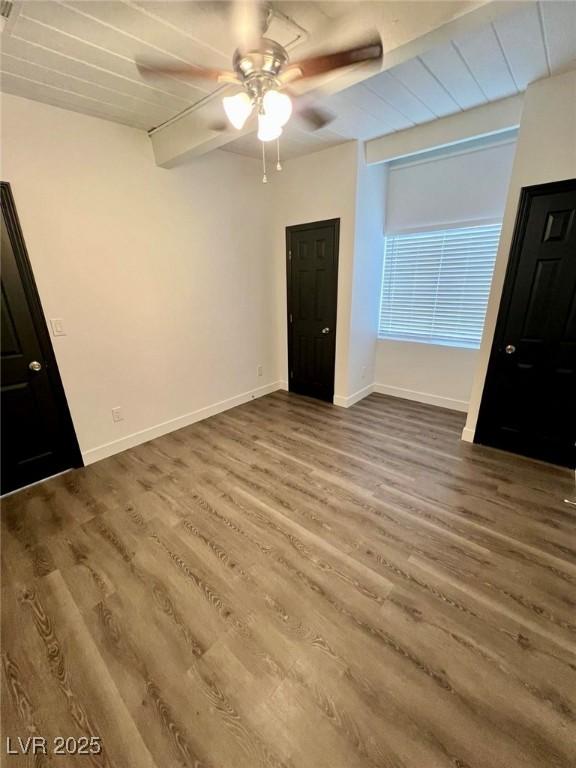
{"x": 277, "y": 106}
{"x": 238, "y": 109}
{"x": 258, "y": 72}
{"x": 268, "y": 128}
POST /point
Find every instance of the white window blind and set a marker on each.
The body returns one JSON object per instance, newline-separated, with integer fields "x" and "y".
{"x": 435, "y": 285}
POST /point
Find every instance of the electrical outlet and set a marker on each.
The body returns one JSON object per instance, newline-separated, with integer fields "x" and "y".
{"x": 57, "y": 324}
{"x": 117, "y": 414}
{"x": 363, "y": 371}
{"x": 259, "y": 370}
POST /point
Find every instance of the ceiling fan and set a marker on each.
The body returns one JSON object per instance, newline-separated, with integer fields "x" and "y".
{"x": 263, "y": 71}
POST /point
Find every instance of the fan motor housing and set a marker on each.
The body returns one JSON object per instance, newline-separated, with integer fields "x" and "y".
{"x": 267, "y": 60}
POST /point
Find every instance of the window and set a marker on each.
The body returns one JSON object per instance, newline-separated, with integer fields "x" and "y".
{"x": 435, "y": 285}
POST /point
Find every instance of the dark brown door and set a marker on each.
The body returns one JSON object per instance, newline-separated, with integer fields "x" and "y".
{"x": 37, "y": 435}
{"x": 312, "y": 266}
{"x": 529, "y": 401}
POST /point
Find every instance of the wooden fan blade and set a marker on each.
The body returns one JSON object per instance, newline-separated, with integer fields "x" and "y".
{"x": 218, "y": 126}
{"x": 249, "y": 19}
{"x": 320, "y": 65}
{"x": 153, "y": 69}
{"x": 314, "y": 117}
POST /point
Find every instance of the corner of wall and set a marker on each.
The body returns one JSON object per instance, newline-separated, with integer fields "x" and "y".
{"x": 150, "y": 433}
{"x": 365, "y": 278}
{"x": 355, "y": 397}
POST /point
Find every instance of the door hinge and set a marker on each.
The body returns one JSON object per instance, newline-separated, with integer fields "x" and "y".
{"x": 289, "y": 255}
{"x": 290, "y": 316}
{"x": 291, "y": 374}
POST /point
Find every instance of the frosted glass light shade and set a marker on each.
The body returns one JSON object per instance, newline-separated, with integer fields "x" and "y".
{"x": 277, "y": 106}
{"x": 268, "y": 129}
{"x": 238, "y": 109}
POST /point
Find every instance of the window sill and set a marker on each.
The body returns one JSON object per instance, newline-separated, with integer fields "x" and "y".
{"x": 431, "y": 342}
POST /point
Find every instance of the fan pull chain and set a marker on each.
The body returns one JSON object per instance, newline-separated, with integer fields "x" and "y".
{"x": 278, "y": 164}
{"x": 264, "y": 177}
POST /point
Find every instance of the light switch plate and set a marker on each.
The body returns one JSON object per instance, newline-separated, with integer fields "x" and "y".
{"x": 57, "y": 324}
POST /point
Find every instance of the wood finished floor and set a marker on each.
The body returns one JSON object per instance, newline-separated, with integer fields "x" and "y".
{"x": 293, "y": 584}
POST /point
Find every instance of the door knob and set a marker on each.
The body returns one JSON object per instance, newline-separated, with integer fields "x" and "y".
{"x": 35, "y": 366}
{"x": 510, "y": 349}
{"x": 325, "y": 330}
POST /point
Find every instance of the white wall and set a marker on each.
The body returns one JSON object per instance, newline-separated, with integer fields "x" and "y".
{"x": 458, "y": 187}
{"x": 366, "y": 279}
{"x": 172, "y": 284}
{"x": 546, "y": 152}
{"x": 314, "y": 188}
{"x": 428, "y": 373}
{"x": 466, "y": 185}
{"x": 337, "y": 183}
{"x": 164, "y": 279}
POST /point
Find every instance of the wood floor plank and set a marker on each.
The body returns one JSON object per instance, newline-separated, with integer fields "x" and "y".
{"x": 294, "y": 585}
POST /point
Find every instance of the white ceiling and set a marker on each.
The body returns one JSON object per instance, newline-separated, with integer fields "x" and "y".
{"x": 490, "y": 63}
{"x": 79, "y": 54}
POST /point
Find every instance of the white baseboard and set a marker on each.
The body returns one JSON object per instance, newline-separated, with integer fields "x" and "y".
{"x": 468, "y": 435}
{"x": 346, "y": 402}
{"x": 136, "y": 438}
{"x": 422, "y": 397}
